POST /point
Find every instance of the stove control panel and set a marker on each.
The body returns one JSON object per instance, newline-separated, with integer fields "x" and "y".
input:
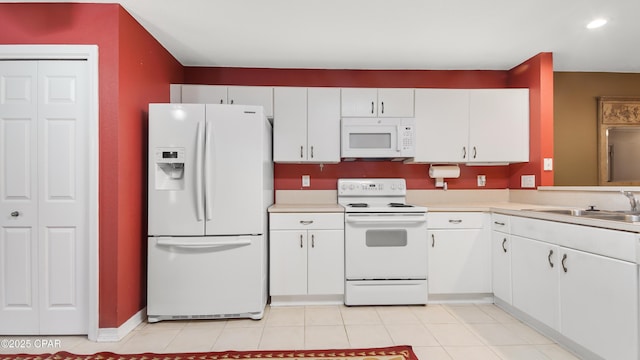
{"x": 371, "y": 187}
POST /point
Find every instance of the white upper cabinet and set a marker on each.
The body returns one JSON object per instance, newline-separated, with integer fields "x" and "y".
{"x": 306, "y": 125}
{"x": 203, "y": 94}
{"x": 252, "y": 95}
{"x": 472, "y": 126}
{"x": 369, "y": 102}
{"x": 499, "y": 125}
{"x": 222, "y": 94}
{"x": 442, "y": 125}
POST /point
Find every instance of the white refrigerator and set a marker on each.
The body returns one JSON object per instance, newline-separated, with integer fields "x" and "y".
{"x": 210, "y": 177}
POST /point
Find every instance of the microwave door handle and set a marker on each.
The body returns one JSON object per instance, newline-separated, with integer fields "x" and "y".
{"x": 398, "y": 138}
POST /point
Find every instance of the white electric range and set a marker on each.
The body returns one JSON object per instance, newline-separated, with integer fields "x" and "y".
{"x": 385, "y": 243}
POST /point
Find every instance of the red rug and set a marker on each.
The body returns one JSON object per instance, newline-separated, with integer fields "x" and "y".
{"x": 387, "y": 353}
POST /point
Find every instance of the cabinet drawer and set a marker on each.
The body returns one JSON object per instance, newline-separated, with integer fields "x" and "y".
{"x": 306, "y": 221}
{"x": 500, "y": 222}
{"x": 454, "y": 220}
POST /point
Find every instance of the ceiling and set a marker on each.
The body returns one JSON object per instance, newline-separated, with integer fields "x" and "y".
{"x": 394, "y": 34}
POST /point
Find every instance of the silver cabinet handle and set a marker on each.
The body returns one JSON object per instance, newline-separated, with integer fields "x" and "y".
{"x": 306, "y": 222}
{"x": 313, "y": 240}
{"x": 372, "y": 107}
{"x": 221, "y": 101}
{"x": 301, "y": 153}
{"x": 549, "y": 258}
{"x": 455, "y": 221}
{"x": 433, "y": 240}
{"x": 231, "y": 101}
{"x": 499, "y": 223}
{"x": 564, "y": 258}
{"x": 15, "y": 213}
{"x": 382, "y": 107}
{"x": 474, "y": 152}
{"x": 300, "y": 241}
{"x": 503, "y": 242}
{"x": 312, "y": 151}
{"x": 464, "y": 152}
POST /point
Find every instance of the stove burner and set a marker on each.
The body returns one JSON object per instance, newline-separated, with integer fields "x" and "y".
{"x": 358, "y": 205}
{"x": 393, "y": 204}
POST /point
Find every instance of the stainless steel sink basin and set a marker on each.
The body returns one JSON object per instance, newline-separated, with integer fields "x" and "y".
{"x": 596, "y": 214}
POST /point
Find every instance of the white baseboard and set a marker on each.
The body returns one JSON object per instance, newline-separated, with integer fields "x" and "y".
{"x": 117, "y": 334}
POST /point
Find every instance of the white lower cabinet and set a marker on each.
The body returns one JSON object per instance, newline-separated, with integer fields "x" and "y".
{"x": 599, "y": 303}
{"x": 459, "y": 253}
{"x": 501, "y": 254}
{"x": 588, "y": 298}
{"x": 534, "y": 267}
{"x": 306, "y": 254}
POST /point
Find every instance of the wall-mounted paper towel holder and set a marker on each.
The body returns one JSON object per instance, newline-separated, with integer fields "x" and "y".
{"x": 440, "y": 172}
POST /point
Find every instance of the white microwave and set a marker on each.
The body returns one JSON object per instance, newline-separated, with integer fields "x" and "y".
{"x": 377, "y": 138}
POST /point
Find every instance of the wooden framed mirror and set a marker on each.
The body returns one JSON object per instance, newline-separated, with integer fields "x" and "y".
{"x": 618, "y": 141}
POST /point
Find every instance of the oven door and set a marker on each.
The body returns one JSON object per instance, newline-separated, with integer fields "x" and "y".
{"x": 385, "y": 246}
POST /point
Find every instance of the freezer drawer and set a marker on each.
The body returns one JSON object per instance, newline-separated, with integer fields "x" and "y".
{"x": 206, "y": 277}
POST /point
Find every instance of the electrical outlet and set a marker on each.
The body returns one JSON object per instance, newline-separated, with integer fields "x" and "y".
{"x": 548, "y": 164}
{"x": 528, "y": 181}
{"x": 482, "y": 180}
{"x": 306, "y": 181}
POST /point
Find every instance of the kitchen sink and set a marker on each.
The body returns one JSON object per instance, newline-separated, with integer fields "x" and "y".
{"x": 625, "y": 216}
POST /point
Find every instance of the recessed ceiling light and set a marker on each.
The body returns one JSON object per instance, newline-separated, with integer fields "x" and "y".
{"x": 594, "y": 24}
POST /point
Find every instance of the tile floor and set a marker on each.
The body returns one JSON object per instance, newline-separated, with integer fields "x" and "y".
{"x": 435, "y": 331}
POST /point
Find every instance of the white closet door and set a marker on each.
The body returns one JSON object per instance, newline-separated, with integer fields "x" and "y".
{"x": 63, "y": 177}
{"x": 43, "y": 263}
{"x": 19, "y": 308}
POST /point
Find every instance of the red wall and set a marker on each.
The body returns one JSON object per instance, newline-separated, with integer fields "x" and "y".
{"x": 288, "y": 176}
{"x": 536, "y": 74}
{"x": 133, "y": 70}
{"x": 145, "y": 71}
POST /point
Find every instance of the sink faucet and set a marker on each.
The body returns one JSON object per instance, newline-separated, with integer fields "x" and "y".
{"x": 632, "y": 199}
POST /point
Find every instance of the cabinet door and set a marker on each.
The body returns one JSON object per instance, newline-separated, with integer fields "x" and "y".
{"x": 204, "y": 94}
{"x": 323, "y": 124}
{"x": 499, "y": 125}
{"x": 288, "y": 262}
{"x": 501, "y": 266}
{"x": 442, "y": 125}
{"x": 459, "y": 262}
{"x": 290, "y": 124}
{"x": 325, "y": 262}
{"x": 535, "y": 279}
{"x": 359, "y": 102}
{"x": 252, "y": 95}
{"x": 599, "y": 303}
{"x": 395, "y": 103}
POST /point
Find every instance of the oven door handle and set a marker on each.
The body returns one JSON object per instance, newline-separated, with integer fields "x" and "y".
{"x": 368, "y": 219}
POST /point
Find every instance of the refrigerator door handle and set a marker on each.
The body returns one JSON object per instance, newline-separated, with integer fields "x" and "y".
{"x": 211, "y": 244}
{"x": 208, "y": 201}
{"x": 199, "y": 152}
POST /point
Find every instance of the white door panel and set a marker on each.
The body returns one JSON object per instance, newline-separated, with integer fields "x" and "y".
{"x": 43, "y": 202}
{"x": 234, "y": 193}
{"x": 19, "y": 309}
{"x": 176, "y": 209}
{"x": 18, "y": 281}
{"x": 62, "y": 164}
{"x": 224, "y": 287}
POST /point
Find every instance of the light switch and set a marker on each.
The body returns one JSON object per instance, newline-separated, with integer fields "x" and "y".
{"x": 528, "y": 181}
{"x": 548, "y": 164}
{"x": 306, "y": 181}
